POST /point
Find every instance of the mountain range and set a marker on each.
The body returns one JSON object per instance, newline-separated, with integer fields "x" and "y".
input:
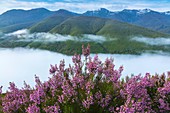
{"x": 159, "y": 21}
{"x": 123, "y": 26}
{"x": 144, "y": 22}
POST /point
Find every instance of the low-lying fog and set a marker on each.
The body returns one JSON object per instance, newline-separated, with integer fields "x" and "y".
{"x": 24, "y": 35}
{"x": 21, "y": 64}
{"x": 153, "y": 41}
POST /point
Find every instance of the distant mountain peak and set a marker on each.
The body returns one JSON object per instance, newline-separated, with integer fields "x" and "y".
{"x": 17, "y": 19}
{"x": 38, "y": 9}
{"x": 103, "y": 10}
{"x": 13, "y": 11}
{"x": 144, "y": 11}
{"x": 128, "y": 10}
{"x": 141, "y": 11}
{"x": 167, "y": 13}
{"x": 64, "y": 12}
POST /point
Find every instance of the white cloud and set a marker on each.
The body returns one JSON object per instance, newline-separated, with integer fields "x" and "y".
{"x": 25, "y": 35}
{"x": 153, "y": 41}
{"x": 72, "y": 6}
{"x": 13, "y": 4}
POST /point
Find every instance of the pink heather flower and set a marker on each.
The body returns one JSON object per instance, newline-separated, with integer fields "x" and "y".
{"x": 165, "y": 90}
{"x": 137, "y": 97}
{"x": 61, "y": 99}
{"x": 98, "y": 95}
{"x": 109, "y": 62}
{"x": 33, "y": 109}
{"x": 89, "y": 86}
{"x": 77, "y": 69}
{"x": 105, "y": 101}
{"x": 76, "y": 58}
{"x": 1, "y": 90}
{"x": 55, "y": 82}
{"x": 100, "y": 70}
{"x": 67, "y": 90}
{"x": 78, "y": 81}
{"x": 62, "y": 65}
{"x": 108, "y": 69}
{"x": 92, "y": 67}
{"x": 117, "y": 108}
{"x": 36, "y": 97}
{"x": 122, "y": 93}
{"x": 37, "y": 80}
{"x": 86, "y": 51}
{"x": 14, "y": 99}
{"x": 53, "y": 69}
{"x": 111, "y": 109}
{"x": 10, "y": 107}
{"x": 120, "y": 69}
{"x": 52, "y": 109}
{"x": 26, "y": 86}
{"x": 164, "y": 106}
{"x": 74, "y": 87}
{"x": 12, "y": 86}
{"x": 89, "y": 101}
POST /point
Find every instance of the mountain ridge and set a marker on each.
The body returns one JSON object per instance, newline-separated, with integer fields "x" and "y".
{"x": 52, "y": 21}
{"x": 47, "y": 20}
{"x": 100, "y": 26}
{"x": 159, "y": 21}
{"x": 19, "y": 16}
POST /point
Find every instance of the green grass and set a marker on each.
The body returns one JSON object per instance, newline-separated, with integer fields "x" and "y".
{"x": 100, "y": 26}
{"x": 79, "y": 25}
{"x": 123, "y": 30}
{"x": 48, "y": 24}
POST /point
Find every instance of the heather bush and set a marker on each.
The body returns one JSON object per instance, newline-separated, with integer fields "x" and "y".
{"x": 88, "y": 86}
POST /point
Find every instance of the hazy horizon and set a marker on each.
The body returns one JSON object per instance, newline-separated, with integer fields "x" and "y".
{"x": 81, "y": 6}
{"x": 85, "y": 10}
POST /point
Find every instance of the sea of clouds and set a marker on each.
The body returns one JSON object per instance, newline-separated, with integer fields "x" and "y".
{"x": 21, "y": 64}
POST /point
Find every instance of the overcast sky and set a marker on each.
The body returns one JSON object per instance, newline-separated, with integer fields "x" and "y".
{"x": 84, "y": 5}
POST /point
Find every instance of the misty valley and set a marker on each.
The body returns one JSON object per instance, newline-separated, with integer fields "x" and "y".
{"x": 27, "y": 54}
{"x": 69, "y": 62}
